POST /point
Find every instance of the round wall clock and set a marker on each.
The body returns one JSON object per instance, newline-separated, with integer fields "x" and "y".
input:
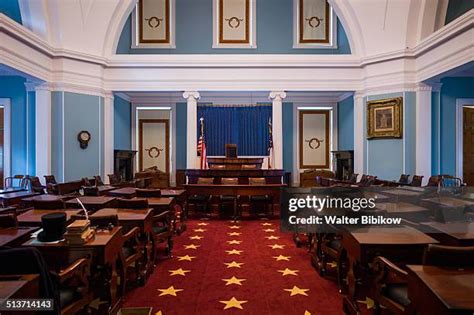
{"x": 83, "y": 137}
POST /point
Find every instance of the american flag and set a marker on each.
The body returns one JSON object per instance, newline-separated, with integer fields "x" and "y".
{"x": 201, "y": 147}
{"x": 271, "y": 153}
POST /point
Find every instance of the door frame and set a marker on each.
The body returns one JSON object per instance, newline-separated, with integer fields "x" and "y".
{"x": 6, "y": 104}
{"x": 167, "y": 141}
{"x": 460, "y": 104}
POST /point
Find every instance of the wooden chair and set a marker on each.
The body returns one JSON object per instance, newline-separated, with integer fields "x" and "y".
{"x": 50, "y": 179}
{"x": 132, "y": 203}
{"x": 249, "y": 166}
{"x": 98, "y": 180}
{"x": 434, "y": 181}
{"x": 115, "y": 179}
{"x": 162, "y": 232}
{"x": 36, "y": 185}
{"x": 260, "y": 202}
{"x": 86, "y": 182}
{"x": 449, "y": 181}
{"x": 391, "y": 289}
{"x": 148, "y": 193}
{"x": 404, "y": 179}
{"x": 132, "y": 247}
{"x": 200, "y": 203}
{"x": 8, "y": 220}
{"x": 416, "y": 181}
{"x": 49, "y": 204}
{"x": 91, "y": 191}
{"x": 228, "y": 201}
{"x": 12, "y": 180}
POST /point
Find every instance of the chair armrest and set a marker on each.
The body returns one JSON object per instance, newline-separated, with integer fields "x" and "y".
{"x": 162, "y": 216}
{"x": 387, "y": 272}
{"x": 78, "y": 268}
{"x": 133, "y": 233}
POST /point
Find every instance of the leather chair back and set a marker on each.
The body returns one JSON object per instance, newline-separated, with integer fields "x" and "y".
{"x": 449, "y": 256}
{"x": 8, "y": 220}
{"x": 417, "y": 180}
{"x": 229, "y": 181}
{"x": 132, "y": 203}
{"x": 148, "y": 193}
{"x": 49, "y": 204}
{"x": 91, "y": 191}
{"x": 404, "y": 179}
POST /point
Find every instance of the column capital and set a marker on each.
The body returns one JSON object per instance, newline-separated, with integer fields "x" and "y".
{"x": 191, "y": 95}
{"x": 31, "y": 85}
{"x": 420, "y": 87}
{"x": 45, "y": 86}
{"x": 109, "y": 95}
{"x": 277, "y": 95}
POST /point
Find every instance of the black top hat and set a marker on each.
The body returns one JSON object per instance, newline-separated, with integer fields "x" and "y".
{"x": 54, "y": 227}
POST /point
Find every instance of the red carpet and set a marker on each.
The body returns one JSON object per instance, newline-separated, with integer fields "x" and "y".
{"x": 265, "y": 290}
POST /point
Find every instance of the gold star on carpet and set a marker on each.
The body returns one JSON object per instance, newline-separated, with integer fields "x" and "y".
{"x": 170, "y": 291}
{"x": 234, "y": 234}
{"x": 178, "y": 272}
{"x": 272, "y": 237}
{"x": 307, "y": 313}
{"x": 368, "y": 302}
{"x": 234, "y": 227}
{"x": 276, "y": 246}
{"x": 200, "y": 230}
{"x": 187, "y": 257}
{"x": 332, "y": 264}
{"x": 95, "y": 304}
{"x": 281, "y": 257}
{"x": 233, "y": 280}
{"x": 269, "y": 230}
{"x": 295, "y": 291}
{"x": 196, "y": 237}
{"x": 287, "y": 272}
{"x": 233, "y": 264}
{"x": 203, "y": 224}
{"x": 159, "y": 313}
{"x": 234, "y": 242}
{"x": 267, "y": 224}
{"x": 191, "y": 246}
{"x": 233, "y": 302}
{"x": 234, "y": 252}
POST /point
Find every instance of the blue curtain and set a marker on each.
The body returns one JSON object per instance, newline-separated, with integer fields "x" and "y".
{"x": 246, "y": 126}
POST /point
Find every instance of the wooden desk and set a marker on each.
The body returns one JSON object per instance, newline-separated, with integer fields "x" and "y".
{"x": 11, "y": 189}
{"x": 405, "y": 211}
{"x": 103, "y": 190}
{"x": 19, "y": 287}
{"x": 272, "y": 176}
{"x": 449, "y": 202}
{"x": 125, "y": 192}
{"x": 13, "y": 198}
{"x": 33, "y": 217}
{"x": 273, "y": 190}
{"x": 15, "y": 235}
{"x": 105, "y": 252}
{"x": 403, "y": 192}
{"x": 91, "y": 203}
{"x": 451, "y": 233}
{"x": 130, "y": 218}
{"x": 441, "y": 290}
{"x": 28, "y": 202}
{"x": 399, "y": 244}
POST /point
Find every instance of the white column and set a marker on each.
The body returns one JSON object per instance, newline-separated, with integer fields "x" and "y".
{"x": 191, "y": 151}
{"x": 423, "y": 131}
{"x": 108, "y": 129}
{"x": 277, "y": 98}
{"x": 43, "y": 130}
{"x": 359, "y": 134}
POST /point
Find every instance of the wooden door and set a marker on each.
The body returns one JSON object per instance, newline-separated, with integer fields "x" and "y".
{"x": 468, "y": 145}
{"x": 1, "y": 145}
{"x": 154, "y": 144}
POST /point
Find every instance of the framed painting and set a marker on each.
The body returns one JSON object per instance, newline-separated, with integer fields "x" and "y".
{"x": 234, "y": 24}
{"x": 314, "y": 138}
{"x": 385, "y": 118}
{"x": 153, "y": 24}
{"x": 153, "y": 144}
{"x": 313, "y": 22}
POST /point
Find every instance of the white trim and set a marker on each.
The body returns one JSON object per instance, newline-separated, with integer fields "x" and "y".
{"x": 6, "y": 104}
{"x": 63, "y": 153}
{"x": 252, "y": 28}
{"x": 332, "y": 31}
{"x": 460, "y": 104}
{"x": 404, "y": 142}
{"x": 170, "y": 45}
{"x": 27, "y": 134}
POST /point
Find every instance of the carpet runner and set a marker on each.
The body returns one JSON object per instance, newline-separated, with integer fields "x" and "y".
{"x": 248, "y": 267}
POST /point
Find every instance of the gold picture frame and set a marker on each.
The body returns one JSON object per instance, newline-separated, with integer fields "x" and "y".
{"x": 305, "y": 18}
{"x": 385, "y": 118}
{"x": 154, "y": 22}
{"x": 234, "y": 22}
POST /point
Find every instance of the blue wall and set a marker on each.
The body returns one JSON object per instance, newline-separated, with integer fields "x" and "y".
{"x": 456, "y": 8}
{"x": 11, "y": 8}
{"x": 388, "y": 158}
{"x": 194, "y": 31}
{"x": 122, "y": 124}
{"x": 181, "y": 135}
{"x": 445, "y": 115}
{"x": 22, "y": 124}
{"x": 345, "y": 124}
{"x": 72, "y": 113}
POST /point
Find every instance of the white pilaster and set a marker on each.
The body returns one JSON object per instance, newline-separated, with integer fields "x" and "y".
{"x": 108, "y": 129}
{"x": 43, "y": 130}
{"x": 423, "y": 131}
{"x": 277, "y": 98}
{"x": 191, "y": 151}
{"x": 359, "y": 134}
